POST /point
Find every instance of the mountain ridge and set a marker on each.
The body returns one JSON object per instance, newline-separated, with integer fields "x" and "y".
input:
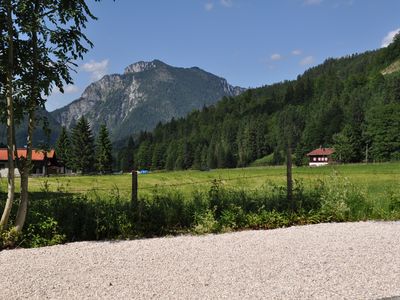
{"x": 144, "y": 95}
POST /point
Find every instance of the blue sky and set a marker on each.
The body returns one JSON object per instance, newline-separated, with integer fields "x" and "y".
{"x": 249, "y": 42}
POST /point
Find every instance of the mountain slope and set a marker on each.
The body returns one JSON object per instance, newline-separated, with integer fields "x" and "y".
{"x": 146, "y": 94}
{"x": 346, "y": 103}
{"x": 40, "y": 136}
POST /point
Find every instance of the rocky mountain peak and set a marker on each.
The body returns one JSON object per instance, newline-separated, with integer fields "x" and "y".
{"x": 141, "y": 66}
{"x": 146, "y": 94}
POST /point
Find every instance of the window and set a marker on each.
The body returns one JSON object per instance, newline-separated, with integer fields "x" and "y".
{"x": 326, "y": 159}
{"x": 2, "y": 166}
{"x": 314, "y": 159}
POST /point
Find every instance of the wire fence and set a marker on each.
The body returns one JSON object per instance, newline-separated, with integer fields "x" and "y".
{"x": 56, "y": 186}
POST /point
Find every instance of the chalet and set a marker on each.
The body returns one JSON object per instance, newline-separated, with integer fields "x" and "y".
{"x": 43, "y": 162}
{"x": 320, "y": 157}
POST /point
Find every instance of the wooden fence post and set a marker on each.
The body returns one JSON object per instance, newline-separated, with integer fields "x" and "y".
{"x": 134, "y": 198}
{"x": 136, "y": 205}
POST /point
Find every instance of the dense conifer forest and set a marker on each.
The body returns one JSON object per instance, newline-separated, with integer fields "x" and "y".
{"x": 350, "y": 103}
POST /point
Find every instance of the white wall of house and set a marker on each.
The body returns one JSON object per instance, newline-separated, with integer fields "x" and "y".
{"x": 318, "y": 164}
{"x": 318, "y": 161}
{"x": 4, "y": 172}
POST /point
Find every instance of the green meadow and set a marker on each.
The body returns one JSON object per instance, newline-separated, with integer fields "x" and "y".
{"x": 374, "y": 180}
{"x": 74, "y": 208}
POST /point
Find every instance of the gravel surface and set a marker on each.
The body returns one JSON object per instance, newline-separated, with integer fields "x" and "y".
{"x": 334, "y": 261}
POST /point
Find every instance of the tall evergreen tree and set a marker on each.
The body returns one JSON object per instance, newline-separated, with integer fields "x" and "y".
{"x": 144, "y": 155}
{"x": 158, "y": 158}
{"x": 104, "y": 151}
{"x": 125, "y": 156}
{"x": 63, "y": 149}
{"x": 171, "y": 156}
{"x": 346, "y": 145}
{"x": 83, "y": 151}
{"x": 383, "y": 132}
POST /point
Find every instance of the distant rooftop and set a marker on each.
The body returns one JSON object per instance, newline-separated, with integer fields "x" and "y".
{"x": 321, "y": 151}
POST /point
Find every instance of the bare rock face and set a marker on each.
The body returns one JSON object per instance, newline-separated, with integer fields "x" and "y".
{"x": 146, "y": 94}
{"x": 140, "y": 67}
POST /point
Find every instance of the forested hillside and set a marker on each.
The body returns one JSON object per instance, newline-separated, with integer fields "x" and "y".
{"x": 351, "y": 103}
{"x": 45, "y": 135}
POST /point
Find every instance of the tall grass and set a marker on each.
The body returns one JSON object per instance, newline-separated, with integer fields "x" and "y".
{"x": 62, "y": 217}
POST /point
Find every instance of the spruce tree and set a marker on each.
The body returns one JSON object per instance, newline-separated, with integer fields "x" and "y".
{"x": 158, "y": 160}
{"x": 125, "y": 156}
{"x": 83, "y": 155}
{"x": 144, "y": 155}
{"x": 104, "y": 151}
{"x": 63, "y": 149}
{"x": 171, "y": 156}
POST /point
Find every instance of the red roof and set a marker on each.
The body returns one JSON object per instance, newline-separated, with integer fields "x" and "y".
{"x": 321, "y": 151}
{"x": 37, "y": 155}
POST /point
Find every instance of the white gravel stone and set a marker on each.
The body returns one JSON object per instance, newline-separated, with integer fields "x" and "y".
{"x": 325, "y": 261}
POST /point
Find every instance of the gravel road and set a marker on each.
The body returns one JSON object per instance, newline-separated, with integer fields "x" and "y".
{"x": 325, "y": 261}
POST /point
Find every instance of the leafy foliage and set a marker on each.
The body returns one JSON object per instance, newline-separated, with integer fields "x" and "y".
{"x": 61, "y": 217}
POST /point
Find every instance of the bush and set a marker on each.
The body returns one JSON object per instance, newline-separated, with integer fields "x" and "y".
{"x": 341, "y": 200}
{"x": 55, "y": 218}
{"x": 44, "y": 232}
{"x": 205, "y": 223}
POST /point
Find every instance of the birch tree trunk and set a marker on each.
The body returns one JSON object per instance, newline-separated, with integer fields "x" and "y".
{"x": 24, "y": 173}
{"x": 10, "y": 119}
{"x": 26, "y": 166}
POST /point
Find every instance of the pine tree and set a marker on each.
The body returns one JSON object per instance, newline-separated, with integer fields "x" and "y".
{"x": 63, "y": 149}
{"x": 144, "y": 155}
{"x": 204, "y": 158}
{"x": 82, "y": 154}
{"x": 104, "y": 151}
{"x": 158, "y": 160}
{"x": 126, "y": 155}
{"x": 171, "y": 156}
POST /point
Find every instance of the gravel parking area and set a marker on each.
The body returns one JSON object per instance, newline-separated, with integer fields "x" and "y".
{"x": 333, "y": 261}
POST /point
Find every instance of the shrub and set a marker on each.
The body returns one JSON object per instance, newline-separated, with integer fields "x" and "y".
{"x": 8, "y": 238}
{"x": 61, "y": 217}
{"x": 42, "y": 233}
{"x": 205, "y": 223}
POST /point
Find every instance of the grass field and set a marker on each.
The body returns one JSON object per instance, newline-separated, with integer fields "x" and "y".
{"x": 373, "y": 179}
{"x": 189, "y": 201}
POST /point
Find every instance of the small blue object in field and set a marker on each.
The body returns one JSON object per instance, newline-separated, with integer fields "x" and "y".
{"x": 144, "y": 171}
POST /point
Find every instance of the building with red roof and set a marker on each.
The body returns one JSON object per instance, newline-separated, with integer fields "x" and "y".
{"x": 43, "y": 162}
{"x": 320, "y": 157}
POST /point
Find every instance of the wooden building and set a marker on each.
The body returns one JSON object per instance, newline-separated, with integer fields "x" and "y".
{"x": 44, "y": 163}
{"x": 320, "y": 157}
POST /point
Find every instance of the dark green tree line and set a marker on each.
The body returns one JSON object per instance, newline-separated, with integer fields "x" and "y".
{"x": 347, "y": 103}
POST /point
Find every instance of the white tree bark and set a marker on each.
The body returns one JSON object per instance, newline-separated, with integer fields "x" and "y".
{"x": 10, "y": 120}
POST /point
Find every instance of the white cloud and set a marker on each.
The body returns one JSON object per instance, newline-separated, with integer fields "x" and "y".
{"x": 68, "y": 89}
{"x": 276, "y": 56}
{"x": 96, "y": 69}
{"x": 388, "y": 39}
{"x": 226, "y": 3}
{"x": 308, "y": 60}
{"x": 208, "y": 6}
{"x": 296, "y": 52}
{"x": 312, "y": 2}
